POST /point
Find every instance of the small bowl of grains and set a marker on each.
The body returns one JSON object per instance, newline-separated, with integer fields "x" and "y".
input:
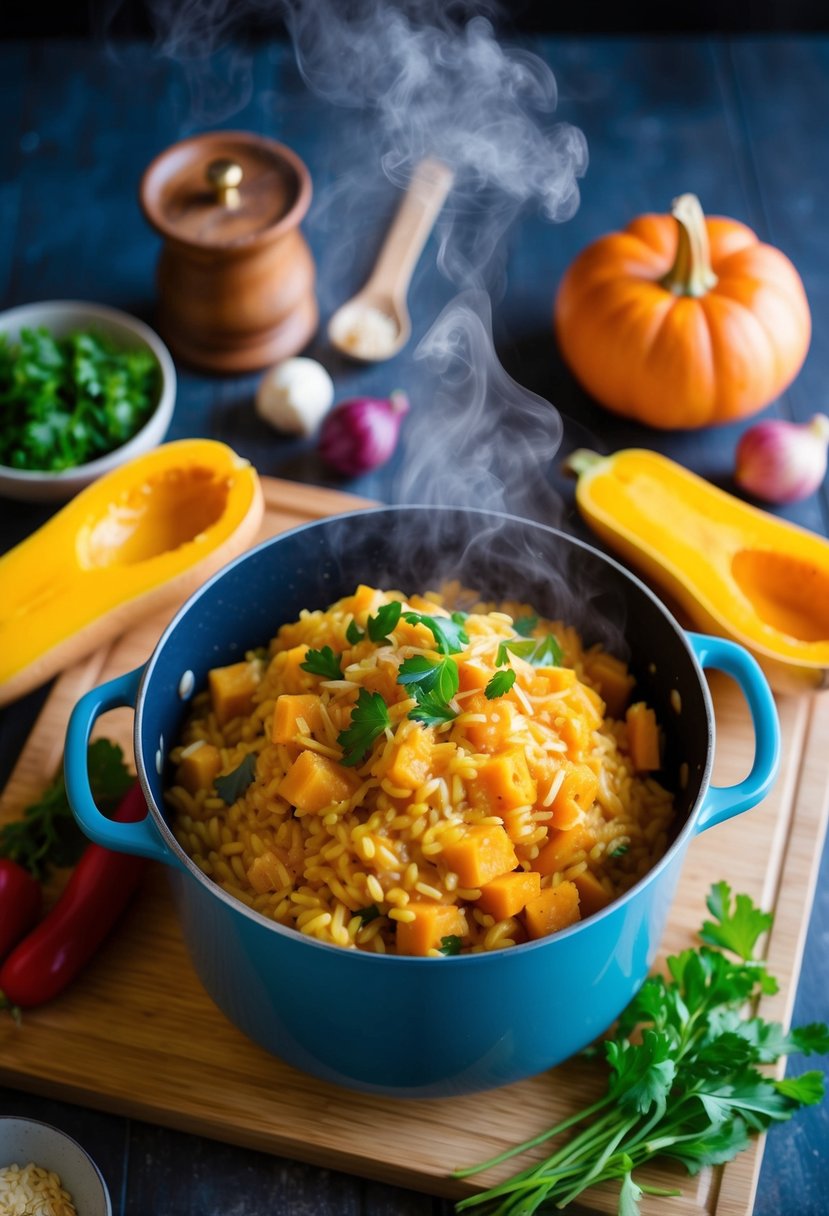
{"x": 44, "y": 1172}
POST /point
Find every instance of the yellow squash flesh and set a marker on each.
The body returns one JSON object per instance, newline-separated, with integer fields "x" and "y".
{"x": 736, "y": 571}
{"x": 139, "y": 539}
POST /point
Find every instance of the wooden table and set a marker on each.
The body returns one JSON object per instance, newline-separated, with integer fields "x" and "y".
{"x": 740, "y": 122}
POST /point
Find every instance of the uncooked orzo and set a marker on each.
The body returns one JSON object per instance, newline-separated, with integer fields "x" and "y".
{"x": 394, "y": 775}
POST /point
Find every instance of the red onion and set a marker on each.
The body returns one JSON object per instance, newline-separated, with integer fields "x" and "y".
{"x": 783, "y": 461}
{"x": 361, "y": 434}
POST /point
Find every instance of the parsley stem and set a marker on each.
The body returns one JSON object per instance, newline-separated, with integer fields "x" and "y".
{"x": 592, "y": 1174}
{"x": 534, "y": 1142}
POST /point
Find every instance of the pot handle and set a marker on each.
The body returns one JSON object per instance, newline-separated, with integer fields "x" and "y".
{"x": 140, "y": 837}
{"x": 722, "y": 802}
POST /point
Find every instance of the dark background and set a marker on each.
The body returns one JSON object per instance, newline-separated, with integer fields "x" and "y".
{"x": 134, "y": 18}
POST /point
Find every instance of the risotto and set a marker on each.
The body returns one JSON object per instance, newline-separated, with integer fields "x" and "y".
{"x": 395, "y": 776}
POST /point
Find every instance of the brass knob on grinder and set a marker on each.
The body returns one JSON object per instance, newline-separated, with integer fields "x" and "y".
{"x": 225, "y": 176}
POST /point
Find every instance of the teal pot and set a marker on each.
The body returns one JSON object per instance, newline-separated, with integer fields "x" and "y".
{"x": 399, "y": 1025}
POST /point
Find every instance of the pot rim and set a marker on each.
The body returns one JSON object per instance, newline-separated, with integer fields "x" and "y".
{"x": 148, "y": 192}
{"x": 672, "y": 855}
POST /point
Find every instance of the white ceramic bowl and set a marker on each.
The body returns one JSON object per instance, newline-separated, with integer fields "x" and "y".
{"x": 25, "y": 1140}
{"x": 61, "y": 317}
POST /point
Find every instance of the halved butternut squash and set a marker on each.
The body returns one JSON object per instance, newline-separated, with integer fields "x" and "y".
{"x": 142, "y": 537}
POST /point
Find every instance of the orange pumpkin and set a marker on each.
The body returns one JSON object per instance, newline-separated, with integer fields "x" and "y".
{"x": 681, "y": 321}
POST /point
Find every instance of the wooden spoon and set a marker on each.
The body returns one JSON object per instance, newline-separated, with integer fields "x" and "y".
{"x": 374, "y": 324}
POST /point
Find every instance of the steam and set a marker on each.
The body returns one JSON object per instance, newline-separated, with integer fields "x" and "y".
{"x": 428, "y": 78}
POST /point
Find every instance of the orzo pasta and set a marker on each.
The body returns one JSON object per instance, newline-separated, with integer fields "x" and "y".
{"x": 394, "y": 776}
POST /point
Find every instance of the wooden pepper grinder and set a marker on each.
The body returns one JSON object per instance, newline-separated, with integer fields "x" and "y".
{"x": 235, "y": 275}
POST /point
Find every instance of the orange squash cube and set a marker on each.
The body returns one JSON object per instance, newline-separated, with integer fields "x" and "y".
{"x": 412, "y": 761}
{"x": 314, "y": 782}
{"x": 592, "y": 895}
{"x": 554, "y": 680}
{"x": 290, "y": 710}
{"x": 552, "y": 910}
{"x": 562, "y": 849}
{"x": 643, "y": 737}
{"x": 505, "y": 781}
{"x": 506, "y": 895}
{"x": 575, "y": 796}
{"x": 231, "y": 690}
{"x": 613, "y": 678}
{"x": 432, "y": 922}
{"x": 473, "y": 674}
{"x": 482, "y": 853}
{"x": 286, "y": 665}
{"x": 491, "y": 734}
{"x": 200, "y": 764}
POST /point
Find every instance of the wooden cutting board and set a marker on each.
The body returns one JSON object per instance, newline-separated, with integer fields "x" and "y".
{"x": 138, "y": 1036}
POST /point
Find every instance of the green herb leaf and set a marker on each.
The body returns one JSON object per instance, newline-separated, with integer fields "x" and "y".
{"x": 805, "y": 1090}
{"x": 541, "y": 652}
{"x": 368, "y": 914}
{"x": 433, "y": 683}
{"x": 448, "y": 631}
{"x": 525, "y": 625}
{"x": 500, "y": 684}
{"x": 323, "y": 663}
{"x": 232, "y": 785}
{"x": 738, "y": 930}
{"x": 620, "y": 850}
{"x": 369, "y": 719}
{"x": 432, "y": 712}
{"x": 381, "y": 625}
{"x": 354, "y": 633}
{"x": 47, "y": 835}
{"x": 451, "y": 944}
{"x": 629, "y": 1196}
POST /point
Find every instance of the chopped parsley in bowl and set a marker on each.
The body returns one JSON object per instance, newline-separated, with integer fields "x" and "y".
{"x": 82, "y": 389}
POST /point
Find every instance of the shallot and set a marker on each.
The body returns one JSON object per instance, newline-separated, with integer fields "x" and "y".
{"x": 361, "y": 434}
{"x": 782, "y": 461}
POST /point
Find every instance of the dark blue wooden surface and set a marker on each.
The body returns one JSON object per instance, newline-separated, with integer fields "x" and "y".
{"x": 740, "y": 122}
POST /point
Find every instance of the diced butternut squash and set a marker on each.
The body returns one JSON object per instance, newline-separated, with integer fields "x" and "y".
{"x": 286, "y": 665}
{"x": 589, "y": 704}
{"x": 491, "y": 734}
{"x": 576, "y": 795}
{"x": 232, "y": 689}
{"x": 314, "y": 782}
{"x": 614, "y": 680}
{"x": 576, "y": 733}
{"x": 296, "y": 714}
{"x": 552, "y": 910}
{"x": 554, "y": 680}
{"x": 272, "y": 871}
{"x": 472, "y": 673}
{"x": 518, "y": 822}
{"x": 592, "y": 895}
{"x": 563, "y": 848}
{"x": 200, "y": 763}
{"x": 643, "y": 737}
{"x": 506, "y": 895}
{"x": 505, "y": 781}
{"x": 432, "y": 922}
{"x": 482, "y": 853}
{"x": 411, "y": 764}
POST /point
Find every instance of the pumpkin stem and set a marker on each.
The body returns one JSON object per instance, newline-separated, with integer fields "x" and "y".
{"x": 691, "y": 273}
{"x": 579, "y": 461}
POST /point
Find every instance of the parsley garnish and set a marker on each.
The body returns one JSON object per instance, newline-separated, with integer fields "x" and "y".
{"x": 232, "y": 785}
{"x": 524, "y": 625}
{"x": 66, "y": 401}
{"x": 368, "y": 914}
{"x": 47, "y": 834}
{"x": 500, "y": 684}
{"x": 433, "y": 683}
{"x": 323, "y": 663}
{"x": 378, "y": 627}
{"x": 541, "y": 652}
{"x": 620, "y": 850}
{"x": 684, "y": 1081}
{"x": 451, "y": 944}
{"x": 369, "y": 719}
{"x": 448, "y": 631}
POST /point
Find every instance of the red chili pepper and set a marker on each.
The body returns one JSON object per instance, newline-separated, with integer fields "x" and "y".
{"x": 20, "y": 900}
{"x": 101, "y": 886}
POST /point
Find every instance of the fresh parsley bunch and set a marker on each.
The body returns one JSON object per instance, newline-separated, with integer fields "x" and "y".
{"x": 66, "y": 401}
{"x": 685, "y": 1076}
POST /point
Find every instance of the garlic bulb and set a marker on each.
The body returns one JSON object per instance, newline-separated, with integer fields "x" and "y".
{"x": 781, "y": 461}
{"x": 295, "y": 396}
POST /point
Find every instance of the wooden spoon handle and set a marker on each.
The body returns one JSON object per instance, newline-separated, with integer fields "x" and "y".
{"x": 415, "y": 218}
